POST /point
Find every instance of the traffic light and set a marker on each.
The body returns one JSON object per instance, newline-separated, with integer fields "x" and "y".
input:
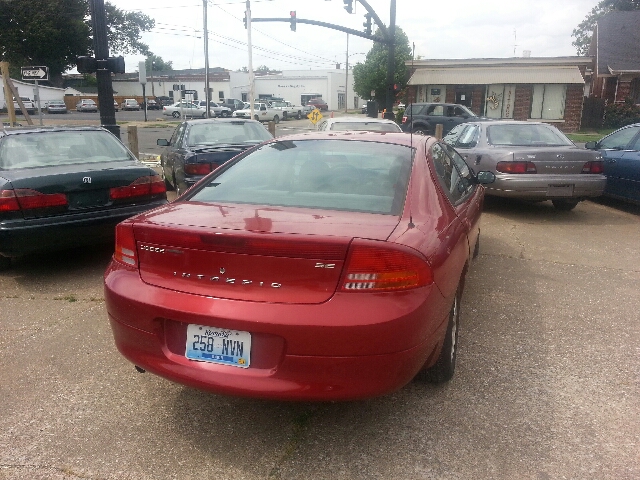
{"x": 293, "y": 20}
{"x": 348, "y": 5}
{"x": 86, "y": 64}
{"x": 245, "y": 19}
{"x": 367, "y": 23}
{"x": 115, "y": 64}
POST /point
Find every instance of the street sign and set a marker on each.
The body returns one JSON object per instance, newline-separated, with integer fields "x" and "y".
{"x": 35, "y": 73}
{"x": 315, "y": 116}
{"x": 189, "y": 92}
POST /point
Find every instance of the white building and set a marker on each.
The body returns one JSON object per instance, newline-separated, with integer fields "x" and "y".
{"x": 26, "y": 89}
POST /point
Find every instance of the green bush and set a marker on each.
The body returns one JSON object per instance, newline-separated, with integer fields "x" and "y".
{"x": 399, "y": 115}
{"x": 618, "y": 115}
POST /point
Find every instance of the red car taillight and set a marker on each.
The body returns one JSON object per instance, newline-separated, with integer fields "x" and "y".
{"x": 516, "y": 167}
{"x": 197, "y": 168}
{"x": 404, "y": 119}
{"x": 27, "y": 199}
{"x": 593, "y": 167}
{"x": 125, "y": 251}
{"x": 377, "y": 269}
{"x": 143, "y": 186}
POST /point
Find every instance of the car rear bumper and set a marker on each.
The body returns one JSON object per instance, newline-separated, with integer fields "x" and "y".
{"x": 20, "y": 236}
{"x": 546, "y": 187}
{"x": 329, "y": 351}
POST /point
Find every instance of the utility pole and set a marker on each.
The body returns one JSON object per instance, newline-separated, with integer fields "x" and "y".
{"x": 252, "y": 79}
{"x": 346, "y": 79}
{"x": 206, "y": 56}
{"x": 103, "y": 74}
{"x": 391, "y": 63}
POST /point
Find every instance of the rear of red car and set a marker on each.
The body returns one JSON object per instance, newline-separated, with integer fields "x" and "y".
{"x": 279, "y": 301}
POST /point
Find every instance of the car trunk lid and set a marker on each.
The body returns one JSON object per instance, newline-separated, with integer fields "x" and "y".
{"x": 281, "y": 255}
{"x": 555, "y": 161}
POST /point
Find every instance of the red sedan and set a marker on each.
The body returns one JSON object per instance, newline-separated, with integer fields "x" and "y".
{"x": 324, "y": 266}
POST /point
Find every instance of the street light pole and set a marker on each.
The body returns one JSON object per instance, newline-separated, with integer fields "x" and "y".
{"x": 346, "y": 79}
{"x": 206, "y": 58}
{"x": 391, "y": 62}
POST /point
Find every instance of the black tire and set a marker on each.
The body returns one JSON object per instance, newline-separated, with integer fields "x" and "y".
{"x": 299, "y": 115}
{"x": 284, "y": 115}
{"x": 420, "y": 131}
{"x": 276, "y": 119}
{"x": 564, "y": 205}
{"x": 257, "y": 118}
{"x": 224, "y": 114}
{"x": 445, "y": 366}
{"x": 175, "y": 114}
{"x": 5, "y": 263}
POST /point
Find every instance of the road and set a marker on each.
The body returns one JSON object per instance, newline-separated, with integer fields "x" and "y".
{"x": 547, "y": 385}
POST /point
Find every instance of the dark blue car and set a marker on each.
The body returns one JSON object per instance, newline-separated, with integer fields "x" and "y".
{"x": 621, "y": 155}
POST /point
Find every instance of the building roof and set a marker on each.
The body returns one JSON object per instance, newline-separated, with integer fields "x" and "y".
{"x": 617, "y": 37}
{"x": 496, "y": 75}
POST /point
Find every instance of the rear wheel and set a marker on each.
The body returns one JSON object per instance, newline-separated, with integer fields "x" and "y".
{"x": 276, "y": 119}
{"x": 299, "y": 115}
{"x": 564, "y": 205}
{"x": 284, "y": 115}
{"x": 420, "y": 131}
{"x": 256, "y": 117}
{"x": 175, "y": 114}
{"x": 224, "y": 114}
{"x": 444, "y": 368}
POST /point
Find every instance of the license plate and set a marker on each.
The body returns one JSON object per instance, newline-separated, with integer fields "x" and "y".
{"x": 218, "y": 345}
{"x": 560, "y": 190}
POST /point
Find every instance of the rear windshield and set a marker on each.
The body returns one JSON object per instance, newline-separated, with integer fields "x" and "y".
{"x": 526, "y": 135}
{"x": 367, "y": 126}
{"x": 219, "y": 133}
{"x": 323, "y": 174}
{"x": 44, "y": 149}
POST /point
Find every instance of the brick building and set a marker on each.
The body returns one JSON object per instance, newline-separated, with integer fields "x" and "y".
{"x": 614, "y": 48}
{"x": 546, "y": 89}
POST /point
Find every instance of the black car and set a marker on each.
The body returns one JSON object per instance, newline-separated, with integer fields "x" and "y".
{"x": 65, "y": 187}
{"x": 198, "y": 147}
{"x": 422, "y": 118}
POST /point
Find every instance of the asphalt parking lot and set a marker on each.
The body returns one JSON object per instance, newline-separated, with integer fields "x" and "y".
{"x": 547, "y": 385}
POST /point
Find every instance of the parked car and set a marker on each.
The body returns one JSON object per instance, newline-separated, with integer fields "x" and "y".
{"x": 531, "y": 160}
{"x": 29, "y": 106}
{"x": 56, "y": 106}
{"x": 216, "y": 109}
{"x": 165, "y": 101}
{"x": 198, "y": 147}
{"x": 86, "y": 105}
{"x": 318, "y": 103}
{"x": 116, "y": 107}
{"x": 261, "y": 112}
{"x": 422, "y": 118}
{"x": 620, "y": 152}
{"x": 308, "y": 268}
{"x": 184, "y": 109}
{"x": 66, "y": 187}
{"x": 233, "y": 104}
{"x": 153, "y": 105}
{"x": 359, "y": 123}
{"x": 130, "y": 104}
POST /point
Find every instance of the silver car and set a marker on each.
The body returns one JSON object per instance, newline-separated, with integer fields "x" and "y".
{"x": 531, "y": 160}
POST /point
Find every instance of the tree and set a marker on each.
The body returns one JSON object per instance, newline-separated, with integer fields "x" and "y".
{"x": 158, "y": 64}
{"x": 54, "y": 33}
{"x": 372, "y": 74}
{"x": 583, "y": 32}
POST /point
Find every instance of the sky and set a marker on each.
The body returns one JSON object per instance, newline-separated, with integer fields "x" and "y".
{"x": 443, "y": 29}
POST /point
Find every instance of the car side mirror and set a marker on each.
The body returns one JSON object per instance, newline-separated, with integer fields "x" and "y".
{"x": 590, "y": 145}
{"x": 162, "y": 142}
{"x": 485, "y": 178}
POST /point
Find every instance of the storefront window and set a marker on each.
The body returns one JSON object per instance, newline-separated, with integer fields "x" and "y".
{"x": 548, "y": 101}
{"x": 500, "y": 100}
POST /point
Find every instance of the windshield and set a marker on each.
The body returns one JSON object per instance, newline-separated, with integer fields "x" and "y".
{"x": 213, "y": 133}
{"x": 366, "y": 126}
{"x": 526, "y": 135}
{"x": 43, "y": 149}
{"x": 323, "y": 174}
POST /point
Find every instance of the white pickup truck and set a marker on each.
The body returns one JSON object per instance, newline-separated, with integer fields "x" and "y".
{"x": 261, "y": 112}
{"x": 289, "y": 110}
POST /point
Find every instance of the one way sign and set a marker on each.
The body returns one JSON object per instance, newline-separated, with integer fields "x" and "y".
{"x": 35, "y": 73}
